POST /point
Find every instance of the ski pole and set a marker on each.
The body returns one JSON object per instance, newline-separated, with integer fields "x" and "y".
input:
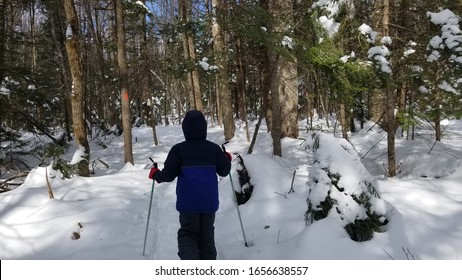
{"x": 235, "y": 198}
{"x": 149, "y": 212}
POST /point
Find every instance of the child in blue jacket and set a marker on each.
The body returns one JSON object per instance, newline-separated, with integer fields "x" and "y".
{"x": 196, "y": 162}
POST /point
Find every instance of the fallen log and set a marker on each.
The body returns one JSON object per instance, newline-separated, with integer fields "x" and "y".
{"x": 6, "y": 184}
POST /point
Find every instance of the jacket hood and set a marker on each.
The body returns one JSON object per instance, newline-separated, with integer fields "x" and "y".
{"x": 194, "y": 126}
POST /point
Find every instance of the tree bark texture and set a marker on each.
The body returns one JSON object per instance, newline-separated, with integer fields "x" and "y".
{"x": 343, "y": 119}
{"x": 438, "y": 131}
{"x": 101, "y": 85}
{"x": 390, "y": 101}
{"x": 276, "y": 124}
{"x": 195, "y": 96}
{"x": 2, "y": 38}
{"x": 78, "y": 85}
{"x": 241, "y": 86}
{"x": 148, "y": 104}
{"x": 123, "y": 82}
{"x": 66, "y": 78}
{"x": 285, "y": 85}
{"x": 222, "y": 77}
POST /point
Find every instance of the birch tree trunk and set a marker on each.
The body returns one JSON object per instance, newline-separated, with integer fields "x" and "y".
{"x": 123, "y": 82}
{"x": 78, "y": 85}
{"x": 222, "y": 79}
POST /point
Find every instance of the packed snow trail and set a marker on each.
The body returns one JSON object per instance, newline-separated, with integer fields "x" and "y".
{"x": 162, "y": 242}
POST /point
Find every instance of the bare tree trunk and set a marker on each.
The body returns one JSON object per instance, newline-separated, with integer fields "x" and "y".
{"x": 410, "y": 102}
{"x": 386, "y": 18}
{"x": 33, "y": 49}
{"x": 343, "y": 119}
{"x": 195, "y": 96}
{"x": 391, "y": 134}
{"x": 49, "y": 189}
{"x": 309, "y": 99}
{"x": 240, "y": 80}
{"x": 32, "y": 58}
{"x": 289, "y": 100}
{"x": 98, "y": 64}
{"x": 276, "y": 129}
{"x": 404, "y": 33}
{"x": 376, "y": 101}
{"x": 283, "y": 80}
{"x": 222, "y": 77}
{"x": 3, "y": 5}
{"x": 255, "y": 134}
{"x": 390, "y": 101}
{"x": 241, "y": 86}
{"x": 123, "y": 82}
{"x": 276, "y": 125}
{"x": 286, "y": 79}
{"x": 265, "y": 80}
{"x": 112, "y": 115}
{"x": 195, "y": 76}
{"x": 219, "y": 108}
{"x": 65, "y": 75}
{"x": 78, "y": 82}
{"x": 437, "y": 105}
{"x": 148, "y": 105}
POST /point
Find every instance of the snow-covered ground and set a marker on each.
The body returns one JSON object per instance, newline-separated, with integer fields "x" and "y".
{"x": 105, "y": 216}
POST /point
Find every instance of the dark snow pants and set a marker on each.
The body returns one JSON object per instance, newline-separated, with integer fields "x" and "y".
{"x": 196, "y": 238}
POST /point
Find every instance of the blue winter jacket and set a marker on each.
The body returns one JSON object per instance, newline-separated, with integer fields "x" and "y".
{"x": 196, "y": 162}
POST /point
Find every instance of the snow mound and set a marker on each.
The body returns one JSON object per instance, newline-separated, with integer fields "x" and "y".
{"x": 342, "y": 189}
